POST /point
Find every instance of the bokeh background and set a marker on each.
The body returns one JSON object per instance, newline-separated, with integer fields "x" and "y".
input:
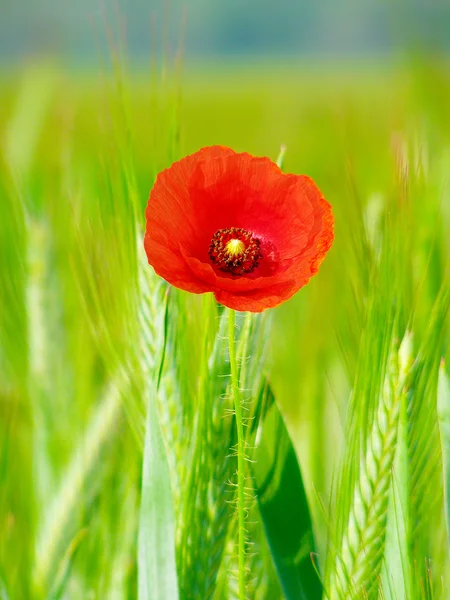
{"x": 95, "y": 99}
{"x": 227, "y": 30}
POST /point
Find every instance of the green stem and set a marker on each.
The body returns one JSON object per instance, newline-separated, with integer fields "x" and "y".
{"x": 240, "y": 453}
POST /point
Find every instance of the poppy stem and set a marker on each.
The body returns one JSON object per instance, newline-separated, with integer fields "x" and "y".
{"x": 240, "y": 453}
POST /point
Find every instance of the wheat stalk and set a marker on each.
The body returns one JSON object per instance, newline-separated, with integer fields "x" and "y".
{"x": 359, "y": 561}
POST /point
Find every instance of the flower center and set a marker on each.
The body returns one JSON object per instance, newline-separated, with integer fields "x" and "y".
{"x": 235, "y": 247}
{"x": 235, "y": 250}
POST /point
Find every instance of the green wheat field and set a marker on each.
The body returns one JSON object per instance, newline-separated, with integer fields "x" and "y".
{"x": 117, "y": 430}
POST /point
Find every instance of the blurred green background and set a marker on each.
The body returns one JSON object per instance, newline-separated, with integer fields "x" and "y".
{"x": 94, "y": 103}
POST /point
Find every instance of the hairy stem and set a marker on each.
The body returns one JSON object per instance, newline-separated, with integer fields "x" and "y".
{"x": 240, "y": 453}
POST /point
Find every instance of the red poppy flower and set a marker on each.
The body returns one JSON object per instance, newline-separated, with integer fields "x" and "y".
{"x": 237, "y": 226}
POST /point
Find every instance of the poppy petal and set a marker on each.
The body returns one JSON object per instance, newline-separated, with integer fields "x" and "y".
{"x": 217, "y": 190}
{"x": 258, "y": 300}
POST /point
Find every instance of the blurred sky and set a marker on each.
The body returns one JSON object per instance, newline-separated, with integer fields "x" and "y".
{"x": 231, "y": 28}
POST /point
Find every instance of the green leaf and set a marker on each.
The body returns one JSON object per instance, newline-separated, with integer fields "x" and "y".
{"x": 284, "y": 509}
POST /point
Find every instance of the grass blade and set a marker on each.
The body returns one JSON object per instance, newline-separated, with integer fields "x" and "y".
{"x": 59, "y": 521}
{"x": 427, "y": 535}
{"x": 63, "y": 574}
{"x": 284, "y": 509}
{"x": 157, "y": 574}
{"x": 156, "y": 559}
{"x": 444, "y": 426}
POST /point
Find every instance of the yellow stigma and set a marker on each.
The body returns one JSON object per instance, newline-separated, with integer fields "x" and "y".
{"x": 235, "y": 247}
